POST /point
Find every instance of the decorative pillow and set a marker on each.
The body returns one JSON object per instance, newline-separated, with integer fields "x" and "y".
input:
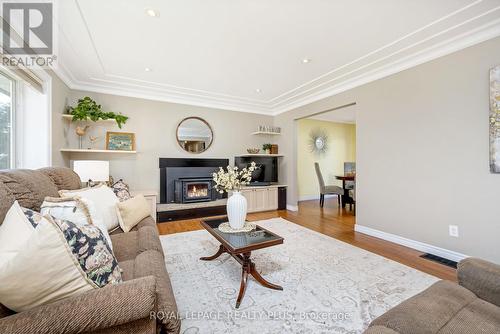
{"x": 121, "y": 190}
{"x": 15, "y": 230}
{"x": 75, "y": 209}
{"x": 132, "y": 211}
{"x": 59, "y": 260}
{"x": 103, "y": 199}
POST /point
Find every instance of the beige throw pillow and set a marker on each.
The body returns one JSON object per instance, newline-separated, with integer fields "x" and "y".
{"x": 59, "y": 260}
{"x": 132, "y": 211}
{"x": 15, "y": 230}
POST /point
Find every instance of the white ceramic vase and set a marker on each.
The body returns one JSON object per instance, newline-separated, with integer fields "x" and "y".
{"x": 237, "y": 210}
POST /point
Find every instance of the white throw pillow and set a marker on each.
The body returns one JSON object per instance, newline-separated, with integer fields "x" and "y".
{"x": 103, "y": 199}
{"x": 132, "y": 211}
{"x": 75, "y": 209}
{"x": 59, "y": 260}
{"x": 15, "y": 230}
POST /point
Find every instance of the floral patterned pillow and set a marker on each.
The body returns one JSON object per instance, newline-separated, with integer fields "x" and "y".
{"x": 92, "y": 252}
{"x": 33, "y": 217}
{"x": 121, "y": 190}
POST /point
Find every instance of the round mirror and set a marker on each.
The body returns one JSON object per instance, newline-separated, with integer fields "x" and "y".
{"x": 194, "y": 135}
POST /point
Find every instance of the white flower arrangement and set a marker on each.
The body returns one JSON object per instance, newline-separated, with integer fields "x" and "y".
{"x": 233, "y": 179}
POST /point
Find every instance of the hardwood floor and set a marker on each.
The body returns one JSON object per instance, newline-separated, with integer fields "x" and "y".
{"x": 338, "y": 224}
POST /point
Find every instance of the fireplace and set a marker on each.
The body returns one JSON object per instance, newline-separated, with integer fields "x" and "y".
{"x": 190, "y": 190}
{"x": 189, "y": 180}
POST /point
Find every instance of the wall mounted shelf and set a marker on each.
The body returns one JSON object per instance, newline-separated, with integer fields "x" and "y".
{"x": 69, "y": 118}
{"x": 76, "y": 150}
{"x": 266, "y": 133}
{"x": 261, "y": 155}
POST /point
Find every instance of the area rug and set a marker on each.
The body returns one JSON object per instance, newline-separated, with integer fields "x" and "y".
{"x": 329, "y": 286}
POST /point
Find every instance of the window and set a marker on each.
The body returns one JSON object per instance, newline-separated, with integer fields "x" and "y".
{"x": 6, "y": 122}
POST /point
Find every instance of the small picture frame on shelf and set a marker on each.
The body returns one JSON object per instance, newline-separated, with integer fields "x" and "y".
{"x": 120, "y": 141}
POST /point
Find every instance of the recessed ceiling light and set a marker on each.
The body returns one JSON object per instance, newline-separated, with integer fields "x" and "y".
{"x": 147, "y": 69}
{"x": 258, "y": 90}
{"x": 306, "y": 60}
{"x": 151, "y": 12}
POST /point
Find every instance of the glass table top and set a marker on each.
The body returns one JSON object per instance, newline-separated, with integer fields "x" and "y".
{"x": 244, "y": 239}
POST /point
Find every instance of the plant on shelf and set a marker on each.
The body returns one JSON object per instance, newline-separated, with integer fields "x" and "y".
{"x": 88, "y": 109}
{"x": 267, "y": 148}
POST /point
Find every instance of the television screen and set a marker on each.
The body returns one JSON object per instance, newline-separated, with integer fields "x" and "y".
{"x": 266, "y": 171}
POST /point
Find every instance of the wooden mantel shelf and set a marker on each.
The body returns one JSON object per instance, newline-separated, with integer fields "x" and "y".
{"x": 76, "y": 150}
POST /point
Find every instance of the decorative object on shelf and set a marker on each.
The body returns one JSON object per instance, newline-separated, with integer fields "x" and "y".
{"x": 88, "y": 109}
{"x": 121, "y": 190}
{"x": 194, "y": 135}
{"x": 91, "y": 171}
{"x": 267, "y": 148}
{"x": 253, "y": 150}
{"x": 231, "y": 180}
{"x": 269, "y": 129}
{"x": 318, "y": 141}
{"x": 226, "y": 228}
{"x": 274, "y": 149}
{"x": 120, "y": 141}
{"x": 495, "y": 120}
{"x": 80, "y": 132}
{"x": 92, "y": 141}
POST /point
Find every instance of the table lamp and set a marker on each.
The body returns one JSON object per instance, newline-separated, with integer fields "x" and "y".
{"x": 91, "y": 171}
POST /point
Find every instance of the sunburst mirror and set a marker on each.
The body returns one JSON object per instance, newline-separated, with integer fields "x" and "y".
{"x": 318, "y": 141}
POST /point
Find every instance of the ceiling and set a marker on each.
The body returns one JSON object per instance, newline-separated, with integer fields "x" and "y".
{"x": 248, "y": 55}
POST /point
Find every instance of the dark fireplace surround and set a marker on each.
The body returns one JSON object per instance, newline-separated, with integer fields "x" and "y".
{"x": 189, "y": 180}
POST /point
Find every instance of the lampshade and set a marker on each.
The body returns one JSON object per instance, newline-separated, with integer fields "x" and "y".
{"x": 95, "y": 170}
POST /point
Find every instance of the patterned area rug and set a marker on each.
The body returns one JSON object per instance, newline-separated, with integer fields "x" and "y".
{"x": 329, "y": 286}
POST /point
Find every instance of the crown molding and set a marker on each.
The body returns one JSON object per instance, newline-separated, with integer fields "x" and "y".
{"x": 444, "y": 36}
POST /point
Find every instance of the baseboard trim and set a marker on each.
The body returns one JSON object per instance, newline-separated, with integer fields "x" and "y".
{"x": 290, "y": 207}
{"x": 313, "y": 197}
{"x": 420, "y": 246}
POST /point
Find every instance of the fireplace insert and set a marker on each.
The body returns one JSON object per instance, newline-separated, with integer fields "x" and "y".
{"x": 190, "y": 190}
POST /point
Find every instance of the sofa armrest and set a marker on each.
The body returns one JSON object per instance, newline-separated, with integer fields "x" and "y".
{"x": 481, "y": 277}
{"x": 379, "y": 330}
{"x": 93, "y": 310}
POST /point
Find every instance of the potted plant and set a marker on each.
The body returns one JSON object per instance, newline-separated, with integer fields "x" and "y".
{"x": 267, "y": 148}
{"x": 231, "y": 180}
{"x": 87, "y": 109}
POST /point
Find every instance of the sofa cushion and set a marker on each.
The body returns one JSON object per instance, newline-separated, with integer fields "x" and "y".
{"x": 6, "y": 201}
{"x": 428, "y": 311}
{"x": 64, "y": 178}
{"x": 477, "y": 317}
{"x": 28, "y": 187}
{"x": 127, "y": 246}
{"x": 152, "y": 263}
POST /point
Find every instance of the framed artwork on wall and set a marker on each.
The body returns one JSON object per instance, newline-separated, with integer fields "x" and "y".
{"x": 120, "y": 141}
{"x": 495, "y": 120}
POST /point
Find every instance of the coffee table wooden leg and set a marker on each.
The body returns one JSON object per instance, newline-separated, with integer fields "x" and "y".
{"x": 261, "y": 279}
{"x": 245, "y": 270}
{"x": 216, "y": 255}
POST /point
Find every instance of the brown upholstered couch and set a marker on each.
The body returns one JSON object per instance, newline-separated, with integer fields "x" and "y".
{"x": 121, "y": 308}
{"x": 472, "y": 306}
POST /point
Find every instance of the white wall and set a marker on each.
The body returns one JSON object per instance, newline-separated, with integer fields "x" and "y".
{"x": 422, "y": 152}
{"x": 154, "y": 124}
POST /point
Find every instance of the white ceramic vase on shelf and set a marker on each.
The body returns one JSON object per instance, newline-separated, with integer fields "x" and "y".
{"x": 237, "y": 210}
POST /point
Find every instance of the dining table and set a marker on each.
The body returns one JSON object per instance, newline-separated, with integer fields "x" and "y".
{"x": 347, "y": 177}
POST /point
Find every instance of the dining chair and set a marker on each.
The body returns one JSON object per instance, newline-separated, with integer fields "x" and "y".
{"x": 326, "y": 190}
{"x": 352, "y": 194}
